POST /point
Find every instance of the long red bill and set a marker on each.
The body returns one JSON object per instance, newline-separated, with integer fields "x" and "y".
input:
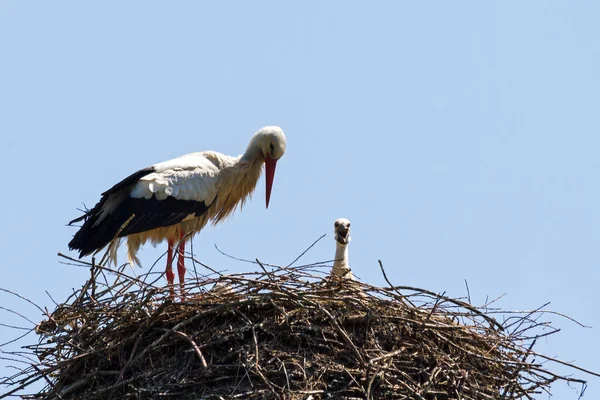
{"x": 270, "y": 165}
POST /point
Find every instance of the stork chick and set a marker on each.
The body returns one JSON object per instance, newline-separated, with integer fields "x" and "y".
{"x": 175, "y": 199}
{"x": 222, "y": 288}
{"x": 341, "y": 268}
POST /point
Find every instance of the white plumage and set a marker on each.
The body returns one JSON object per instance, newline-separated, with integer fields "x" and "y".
{"x": 341, "y": 266}
{"x": 189, "y": 177}
{"x": 341, "y": 274}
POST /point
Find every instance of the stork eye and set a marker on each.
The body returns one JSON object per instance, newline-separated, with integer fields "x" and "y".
{"x": 272, "y": 147}
{"x": 348, "y": 224}
{"x": 336, "y": 224}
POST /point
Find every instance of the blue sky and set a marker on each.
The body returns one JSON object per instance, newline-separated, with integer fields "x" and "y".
{"x": 460, "y": 138}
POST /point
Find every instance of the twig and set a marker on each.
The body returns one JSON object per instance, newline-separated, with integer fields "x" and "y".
{"x": 194, "y": 346}
{"x": 239, "y": 259}
{"x": 305, "y": 251}
{"x": 264, "y": 269}
{"x": 401, "y": 296}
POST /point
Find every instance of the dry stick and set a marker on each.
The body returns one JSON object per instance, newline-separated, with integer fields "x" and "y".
{"x": 450, "y": 300}
{"x": 387, "y": 355}
{"x": 287, "y": 378}
{"x": 81, "y": 383}
{"x": 434, "y": 308}
{"x": 83, "y": 291}
{"x": 140, "y": 334}
{"x": 23, "y": 385}
{"x": 206, "y": 266}
{"x": 52, "y": 299}
{"x": 266, "y": 381}
{"x": 240, "y": 259}
{"x": 468, "y": 292}
{"x": 125, "y": 286}
{"x": 114, "y": 387}
{"x": 539, "y": 310}
{"x": 93, "y": 277}
{"x": 358, "y": 385}
{"x": 315, "y": 264}
{"x": 370, "y": 379}
{"x": 18, "y": 314}
{"x": 264, "y": 269}
{"x": 248, "y": 395}
{"x": 160, "y": 275}
{"x": 22, "y": 298}
{"x": 509, "y": 362}
{"x": 191, "y": 257}
{"x": 402, "y": 297}
{"x": 342, "y": 333}
{"x": 517, "y": 371}
{"x": 526, "y": 317}
{"x": 75, "y": 386}
{"x": 14, "y": 354}
{"x": 488, "y": 303}
{"x": 195, "y": 346}
{"x": 556, "y": 377}
{"x": 17, "y": 338}
{"x": 181, "y": 324}
{"x": 50, "y": 370}
{"x": 304, "y": 252}
{"x": 109, "y": 269}
{"x": 410, "y": 389}
{"x": 255, "y": 345}
{"x": 19, "y": 328}
{"x": 48, "y": 381}
{"x": 556, "y": 360}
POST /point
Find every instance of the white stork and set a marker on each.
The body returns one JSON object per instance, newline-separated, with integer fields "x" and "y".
{"x": 175, "y": 199}
{"x": 341, "y": 268}
{"x": 341, "y": 274}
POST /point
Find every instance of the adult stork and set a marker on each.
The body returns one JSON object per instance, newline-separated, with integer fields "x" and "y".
{"x": 175, "y": 199}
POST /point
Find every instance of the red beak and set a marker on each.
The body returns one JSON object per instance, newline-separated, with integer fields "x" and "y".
{"x": 270, "y": 165}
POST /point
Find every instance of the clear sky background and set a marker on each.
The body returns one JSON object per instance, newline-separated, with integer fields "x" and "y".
{"x": 460, "y": 138}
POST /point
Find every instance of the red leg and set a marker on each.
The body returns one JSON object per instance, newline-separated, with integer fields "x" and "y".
{"x": 169, "y": 271}
{"x": 181, "y": 263}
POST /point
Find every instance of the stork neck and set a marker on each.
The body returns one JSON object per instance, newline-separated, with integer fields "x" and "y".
{"x": 340, "y": 265}
{"x": 250, "y": 156}
{"x": 236, "y": 181}
{"x": 253, "y": 153}
{"x": 251, "y": 164}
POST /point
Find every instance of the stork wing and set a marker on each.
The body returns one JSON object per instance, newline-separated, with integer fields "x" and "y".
{"x": 162, "y": 195}
{"x": 178, "y": 189}
{"x": 190, "y": 177}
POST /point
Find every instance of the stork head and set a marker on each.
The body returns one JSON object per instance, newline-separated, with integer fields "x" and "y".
{"x": 341, "y": 231}
{"x": 269, "y": 144}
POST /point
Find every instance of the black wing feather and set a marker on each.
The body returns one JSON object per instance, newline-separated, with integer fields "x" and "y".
{"x": 148, "y": 214}
{"x": 130, "y": 180}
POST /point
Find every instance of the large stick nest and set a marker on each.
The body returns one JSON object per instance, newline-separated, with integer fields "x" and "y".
{"x": 281, "y": 333}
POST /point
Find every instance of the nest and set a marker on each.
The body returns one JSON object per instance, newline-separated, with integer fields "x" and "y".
{"x": 280, "y": 333}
